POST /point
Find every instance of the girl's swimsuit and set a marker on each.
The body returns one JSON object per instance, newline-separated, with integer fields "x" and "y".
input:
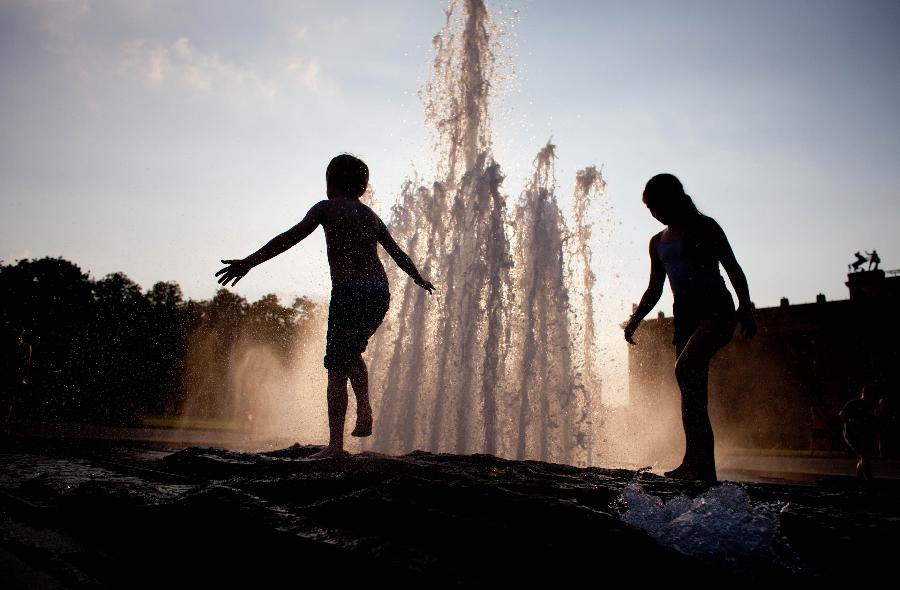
{"x": 699, "y": 291}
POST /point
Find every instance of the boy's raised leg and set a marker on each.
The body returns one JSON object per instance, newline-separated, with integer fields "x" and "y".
{"x": 337, "y": 411}
{"x": 359, "y": 379}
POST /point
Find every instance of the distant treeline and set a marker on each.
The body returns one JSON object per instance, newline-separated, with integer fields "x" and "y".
{"x": 107, "y": 352}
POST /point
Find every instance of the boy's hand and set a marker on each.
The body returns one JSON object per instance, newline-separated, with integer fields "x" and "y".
{"x": 235, "y": 271}
{"x": 425, "y": 285}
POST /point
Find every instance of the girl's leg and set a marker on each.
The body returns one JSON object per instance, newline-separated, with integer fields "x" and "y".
{"x": 692, "y": 373}
{"x": 337, "y": 411}
{"x": 359, "y": 379}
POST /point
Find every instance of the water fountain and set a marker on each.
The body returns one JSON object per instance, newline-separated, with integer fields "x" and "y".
{"x": 500, "y": 360}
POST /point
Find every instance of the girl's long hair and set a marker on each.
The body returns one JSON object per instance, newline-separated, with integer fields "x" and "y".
{"x": 665, "y": 191}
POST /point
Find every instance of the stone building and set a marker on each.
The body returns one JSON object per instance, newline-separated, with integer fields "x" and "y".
{"x": 806, "y": 361}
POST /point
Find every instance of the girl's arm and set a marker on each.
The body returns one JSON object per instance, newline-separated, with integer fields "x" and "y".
{"x": 737, "y": 277}
{"x": 651, "y": 295}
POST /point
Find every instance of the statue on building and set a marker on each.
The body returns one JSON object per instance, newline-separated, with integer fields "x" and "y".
{"x": 860, "y": 260}
{"x": 874, "y": 260}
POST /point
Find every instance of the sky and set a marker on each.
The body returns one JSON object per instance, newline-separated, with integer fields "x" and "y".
{"x": 156, "y": 138}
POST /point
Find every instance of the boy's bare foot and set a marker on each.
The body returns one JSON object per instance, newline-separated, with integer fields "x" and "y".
{"x": 363, "y": 424}
{"x": 329, "y": 453}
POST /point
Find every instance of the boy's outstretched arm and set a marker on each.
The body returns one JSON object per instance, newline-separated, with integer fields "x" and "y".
{"x": 237, "y": 268}
{"x": 400, "y": 257}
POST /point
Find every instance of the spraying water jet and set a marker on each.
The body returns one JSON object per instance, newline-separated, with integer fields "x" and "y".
{"x": 503, "y": 364}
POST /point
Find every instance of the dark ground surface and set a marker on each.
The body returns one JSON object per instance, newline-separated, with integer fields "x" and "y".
{"x": 78, "y": 513}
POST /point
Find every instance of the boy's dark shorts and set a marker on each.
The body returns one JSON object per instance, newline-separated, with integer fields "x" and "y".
{"x": 355, "y": 312}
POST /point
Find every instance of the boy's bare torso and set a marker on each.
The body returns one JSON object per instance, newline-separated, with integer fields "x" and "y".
{"x": 352, "y": 233}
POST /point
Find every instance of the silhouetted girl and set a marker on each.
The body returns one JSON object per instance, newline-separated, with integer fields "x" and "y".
{"x": 689, "y": 251}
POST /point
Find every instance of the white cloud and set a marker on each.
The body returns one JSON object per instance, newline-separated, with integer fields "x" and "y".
{"x": 151, "y": 62}
{"x": 305, "y": 71}
{"x": 181, "y": 62}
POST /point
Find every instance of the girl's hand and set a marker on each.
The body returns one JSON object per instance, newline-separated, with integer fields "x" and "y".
{"x": 630, "y": 328}
{"x": 748, "y": 322}
{"x": 235, "y": 271}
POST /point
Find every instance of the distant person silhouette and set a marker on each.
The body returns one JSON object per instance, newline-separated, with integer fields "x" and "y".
{"x": 689, "y": 251}
{"x": 860, "y": 260}
{"x": 860, "y": 430}
{"x": 874, "y": 260}
{"x": 886, "y": 425}
{"x": 359, "y": 291}
{"x": 16, "y": 373}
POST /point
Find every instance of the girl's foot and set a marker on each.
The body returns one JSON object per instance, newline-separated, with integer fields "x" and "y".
{"x": 688, "y": 472}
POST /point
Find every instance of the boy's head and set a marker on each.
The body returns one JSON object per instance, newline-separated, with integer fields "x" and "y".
{"x": 347, "y": 176}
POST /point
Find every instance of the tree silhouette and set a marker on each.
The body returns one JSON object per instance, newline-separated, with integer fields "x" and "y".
{"x": 106, "y": 352}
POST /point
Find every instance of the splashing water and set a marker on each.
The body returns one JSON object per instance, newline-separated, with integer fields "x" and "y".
{"x": 500, "y": 360}
{"x": 722, "y": 524}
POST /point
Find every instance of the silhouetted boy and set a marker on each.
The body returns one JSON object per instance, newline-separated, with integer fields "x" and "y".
{"x": 359, "y": 292}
